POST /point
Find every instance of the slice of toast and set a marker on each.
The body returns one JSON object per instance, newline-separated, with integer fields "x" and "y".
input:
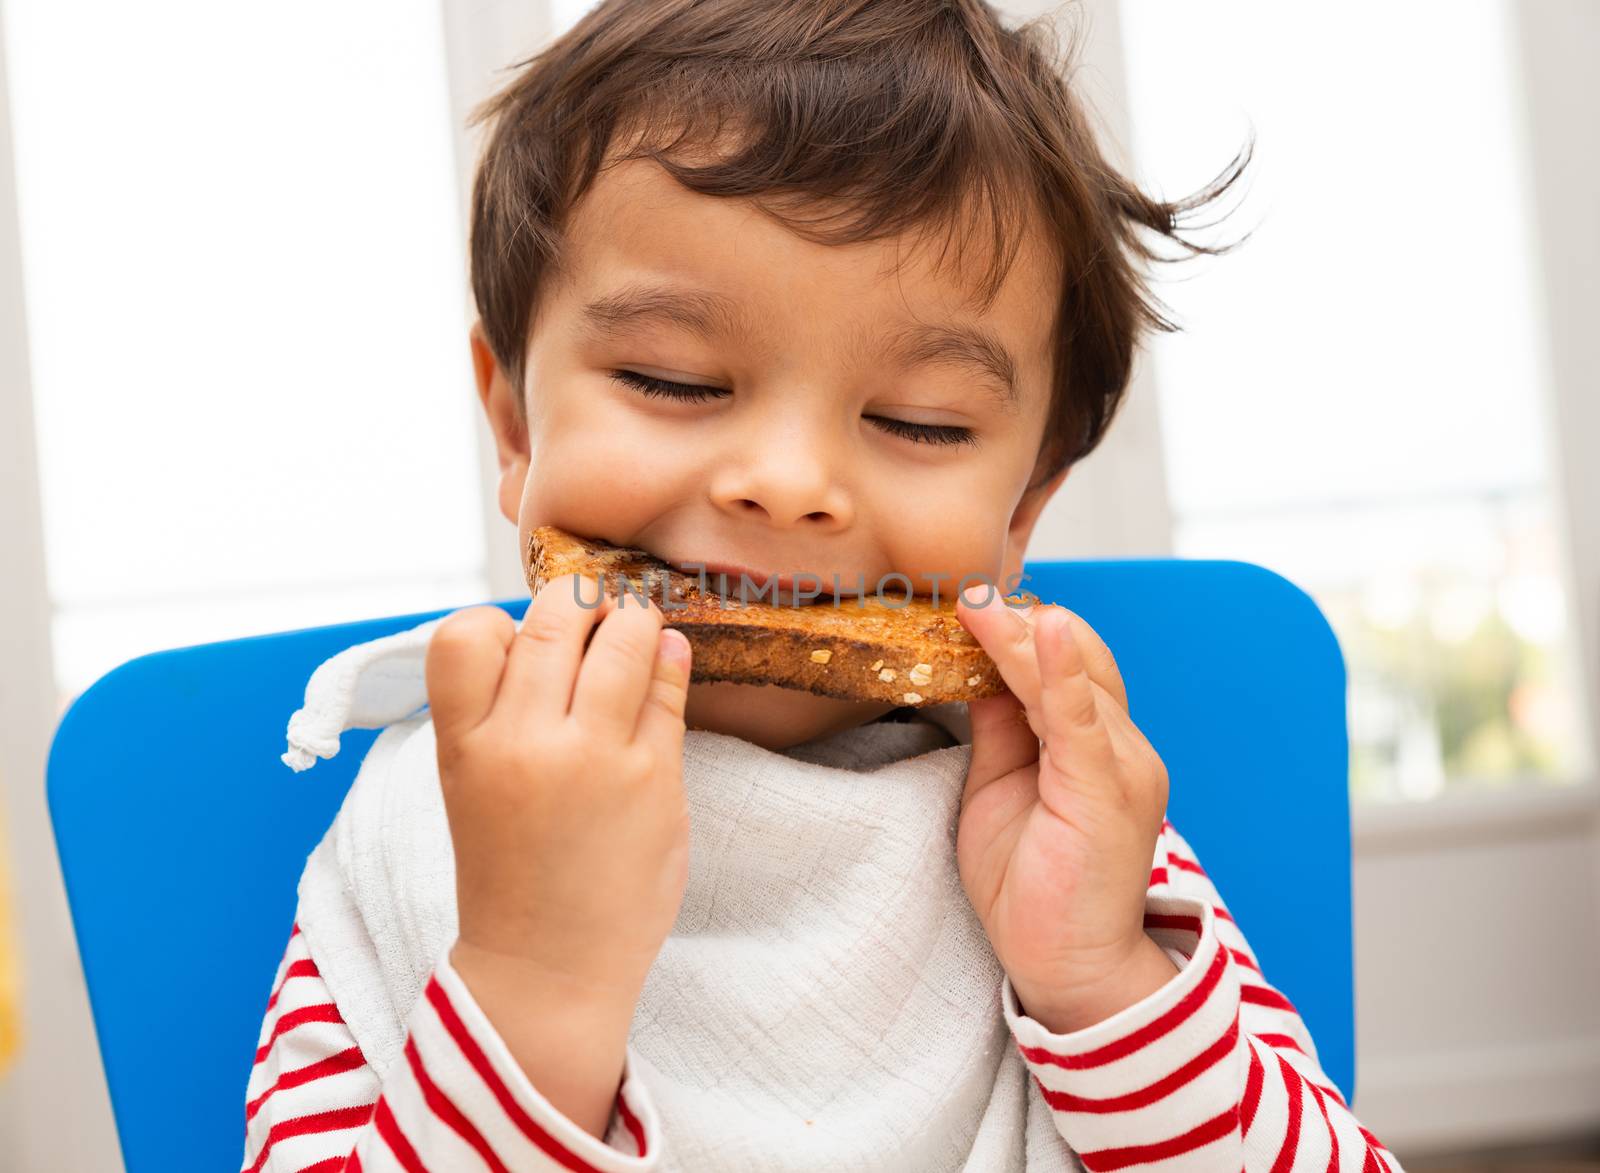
{"x": 905, "y": 652}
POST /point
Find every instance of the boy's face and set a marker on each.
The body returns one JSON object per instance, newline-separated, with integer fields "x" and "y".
{"x": 791, "y": 463}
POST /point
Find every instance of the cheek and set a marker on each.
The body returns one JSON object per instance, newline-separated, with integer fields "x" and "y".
{"x": 957, "y": 521}
{"x": 597, "y": 465}
{"x": 947, "y": 531}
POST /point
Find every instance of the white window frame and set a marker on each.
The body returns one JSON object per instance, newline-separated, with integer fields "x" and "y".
{"x": 483, "y": 37}
{"x": 1564, "y": 177}
{"x": 55, "y": 1111}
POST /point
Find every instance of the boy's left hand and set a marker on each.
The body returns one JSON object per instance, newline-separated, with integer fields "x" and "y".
{"x": 1060, "y": 815}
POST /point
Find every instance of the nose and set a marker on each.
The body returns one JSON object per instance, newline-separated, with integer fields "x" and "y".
{"x": 786, "y": 482}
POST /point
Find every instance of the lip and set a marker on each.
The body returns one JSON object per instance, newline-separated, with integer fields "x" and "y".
{"x": 785, "y": 587}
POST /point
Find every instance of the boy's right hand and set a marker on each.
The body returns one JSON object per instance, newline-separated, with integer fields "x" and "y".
{"x": 562, "y": 777}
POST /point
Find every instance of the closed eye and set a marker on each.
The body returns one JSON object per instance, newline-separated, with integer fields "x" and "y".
{"x": 925, "y": 433}
{"x": 666, "y": 389}
{"x": 655, "y": 388}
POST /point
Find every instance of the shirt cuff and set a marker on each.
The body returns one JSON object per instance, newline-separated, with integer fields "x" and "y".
{"x": 1166, "y": 1065}
{"x": 471, "y": 1065}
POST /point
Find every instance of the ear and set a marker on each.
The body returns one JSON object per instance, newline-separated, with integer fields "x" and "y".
{"x": 499, "y": 400}
{"x": 1025, "y": 517}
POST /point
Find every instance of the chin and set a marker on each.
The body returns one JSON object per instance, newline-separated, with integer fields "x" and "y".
{"x": 772, "y": 717}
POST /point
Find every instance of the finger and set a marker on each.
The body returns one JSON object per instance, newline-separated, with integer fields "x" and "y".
{"x": 1098, "y": 661}
{"x": 466, "y": 656}
{"x": 617, "y": 669}
{"x": 543, "y": 660}
{"x": 1077, "y": 744}
{"x": 1011, "y": 645}
{"x": 1002, "y": 742}
{"x": 661, "y": 721}
{"x": 1007, "y": 636}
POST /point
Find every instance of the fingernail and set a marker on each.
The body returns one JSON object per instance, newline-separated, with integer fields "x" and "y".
{"x": 975, "y": 596}
{"x": 674, "y": 646}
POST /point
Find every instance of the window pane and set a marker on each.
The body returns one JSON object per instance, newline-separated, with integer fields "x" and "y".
{"x": 1357, "y": 400}
{"x": 246, "y": 303}
{"x": 1453, "y": 623}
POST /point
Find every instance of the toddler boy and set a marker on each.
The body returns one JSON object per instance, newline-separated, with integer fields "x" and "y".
{"x": 835, "y": 287}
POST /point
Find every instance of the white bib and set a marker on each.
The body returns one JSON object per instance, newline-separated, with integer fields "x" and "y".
{"x": 827, "y": 999}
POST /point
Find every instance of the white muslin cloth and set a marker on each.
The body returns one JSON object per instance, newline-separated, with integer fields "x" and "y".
{"x": 827, "y": 999}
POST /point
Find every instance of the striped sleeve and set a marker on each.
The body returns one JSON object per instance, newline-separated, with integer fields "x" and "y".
{"x": 454, "y": 1099}
{"x": 1215, "y": 1070}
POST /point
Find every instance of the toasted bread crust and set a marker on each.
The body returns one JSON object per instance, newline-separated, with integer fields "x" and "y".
{"x": 900, "y": 652}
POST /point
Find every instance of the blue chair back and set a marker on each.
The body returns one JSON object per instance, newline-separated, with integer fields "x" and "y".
{"x": 182, "y": 834}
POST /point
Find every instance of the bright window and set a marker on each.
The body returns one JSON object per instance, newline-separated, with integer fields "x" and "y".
{"x": 246, "y": 303}
{"x": 1358, "y": 399}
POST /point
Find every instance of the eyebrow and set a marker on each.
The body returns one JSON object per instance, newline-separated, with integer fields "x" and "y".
{"x": 713, "y": 316}
{"x": 970, "y": 348}
{"x": 716, "y": 317}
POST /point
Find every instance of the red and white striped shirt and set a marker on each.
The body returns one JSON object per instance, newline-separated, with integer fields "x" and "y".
{"x": 1214, "y": 1071}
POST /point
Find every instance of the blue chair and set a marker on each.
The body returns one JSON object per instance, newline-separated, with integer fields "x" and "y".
{"x": 182, "y": 834}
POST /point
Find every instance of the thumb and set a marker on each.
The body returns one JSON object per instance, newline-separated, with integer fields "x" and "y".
{"x": 1002, "y": 741}
{"x": 466, "y": 654}
{"x": 661, "y": 719}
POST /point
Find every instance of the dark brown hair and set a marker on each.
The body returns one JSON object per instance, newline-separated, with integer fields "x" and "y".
{"x": 846, "y": 121}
